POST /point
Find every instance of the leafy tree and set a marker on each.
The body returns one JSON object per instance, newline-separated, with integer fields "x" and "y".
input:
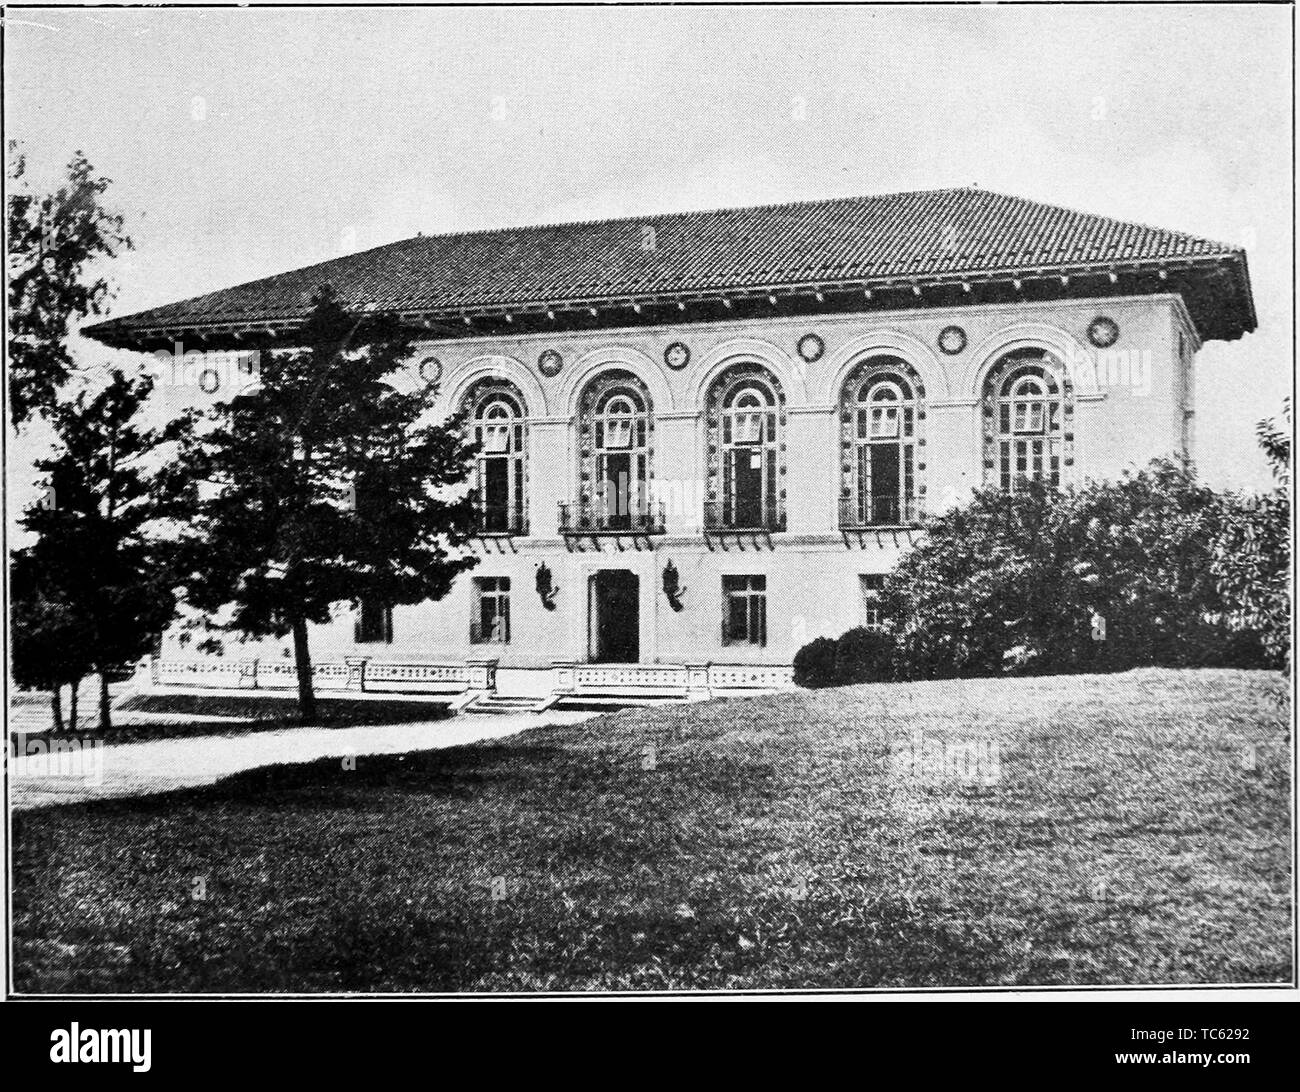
{"x": 1113, "y": 575}
{"x": 54, "y": 242}
{"x": 985, "y": 577}
{"x": 324, "y": 483}
{"x": 1145, "y": 545}
{"x": 47, "y": 642}
{"x": 1275, "y": 440}
{"x": 102, "y": 563}
{"x": 1252, "y": 554}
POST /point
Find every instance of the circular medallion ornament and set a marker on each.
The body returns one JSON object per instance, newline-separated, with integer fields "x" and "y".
{"x": 1103, "y": 332}
{"x": 430, "y": 369}
{"x": 416, "y": 376}
{"x": 811, "y": 347}
{"x": 952, "y": 340}
{"x": 677, "y": 356}
{"x": 550, "y": 363}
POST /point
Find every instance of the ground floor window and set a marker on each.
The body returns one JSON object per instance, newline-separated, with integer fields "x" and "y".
{"x": 374, "y": 624}
{"x": 744, "y": 610}
{"x": 870, "y": 586}
{"x": 490, "y": 623}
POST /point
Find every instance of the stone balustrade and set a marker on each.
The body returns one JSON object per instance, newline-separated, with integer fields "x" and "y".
{"x": 687, "y": 682}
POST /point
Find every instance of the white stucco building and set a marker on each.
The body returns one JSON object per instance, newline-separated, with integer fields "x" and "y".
{"x": 705, "y": 437}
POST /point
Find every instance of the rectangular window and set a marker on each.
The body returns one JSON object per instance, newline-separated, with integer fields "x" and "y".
{"x": 491, "y": 621}
{"x": 884, "y": 422}
{"x": 1029, "y": 460}
{"x": 871, "y": 586}
{"x": 496, "y": 439}
{"x": 618, "y": 434}
{"x": 749, "y": 428}
{"x": 374, "y": 623}
{"x": 1029, "y": 417}
{"x": 744, "y": 610}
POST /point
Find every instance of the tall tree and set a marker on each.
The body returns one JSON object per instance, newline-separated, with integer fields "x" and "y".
{"x": 1252, "y": 555}
{"x": 325, "y": 482}
{"x": 103, "y": 553}
{"x": 48, "y": 646}
{"x": 55, "y": 241}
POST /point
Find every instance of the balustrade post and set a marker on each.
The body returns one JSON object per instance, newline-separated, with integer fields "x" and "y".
{"x": 482, "y": 672}
{"x": 697, "y": 682}
{"x": 562, "y": 678}
{"x": 356, "y": 666}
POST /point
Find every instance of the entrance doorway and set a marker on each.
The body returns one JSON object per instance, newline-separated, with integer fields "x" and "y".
{"x": 615, "y": 618}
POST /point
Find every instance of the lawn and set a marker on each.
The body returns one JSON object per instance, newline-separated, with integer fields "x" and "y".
{"x": 170, "y": 716}
{"x": 1129, "y": 828}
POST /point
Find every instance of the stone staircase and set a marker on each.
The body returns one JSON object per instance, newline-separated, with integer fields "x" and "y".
{"x": 494, "y": 704}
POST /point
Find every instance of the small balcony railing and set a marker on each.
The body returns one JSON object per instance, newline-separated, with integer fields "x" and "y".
{"x": 890, "y": 510}
{"x": 501, "y": 519}
{"x": 594, "y": 518}
{"x": 728, "y": 516}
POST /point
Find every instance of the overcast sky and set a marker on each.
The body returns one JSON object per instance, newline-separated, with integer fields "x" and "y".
{"x": 244, "y": 142}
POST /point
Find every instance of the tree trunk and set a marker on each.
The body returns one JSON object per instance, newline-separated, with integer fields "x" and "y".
{"x": 302, "y": 661}
{"x": 72, "y": 706}
{"x": 105, "y": 706}
{"x": 56, "y": 707}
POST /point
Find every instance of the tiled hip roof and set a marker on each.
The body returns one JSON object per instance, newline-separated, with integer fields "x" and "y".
{"x": 924, "y": 237}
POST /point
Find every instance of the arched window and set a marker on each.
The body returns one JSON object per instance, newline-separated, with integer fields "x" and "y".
{"x": 615, "y": 471}
{"x": 1028, "y": 421}
{"x": 880, "y": 434}
{"x": 745, "y": 434}
{"x": 498, "y": 425}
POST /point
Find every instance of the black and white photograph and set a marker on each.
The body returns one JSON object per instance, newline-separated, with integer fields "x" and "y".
{"x": 756, "y": 501}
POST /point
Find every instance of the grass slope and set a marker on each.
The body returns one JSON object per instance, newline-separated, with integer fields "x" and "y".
{"x": 173, "y": 716}
{"x": 780, "y": 841}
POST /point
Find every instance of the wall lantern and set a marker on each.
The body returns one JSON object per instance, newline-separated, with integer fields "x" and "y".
{"x": 673, "y": 589}
{"x": 546, "y": 590}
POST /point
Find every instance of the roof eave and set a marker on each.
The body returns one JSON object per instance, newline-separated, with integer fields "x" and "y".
{"x": 124, "y": 333}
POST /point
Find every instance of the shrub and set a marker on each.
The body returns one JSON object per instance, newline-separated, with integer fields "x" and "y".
{"x": 814, "y": 664}
{"x": 864, "y": 655}
{"x": 1154, "y": 569}
{"x": 858, "y": 656}
{"x": 1107, "y": 577}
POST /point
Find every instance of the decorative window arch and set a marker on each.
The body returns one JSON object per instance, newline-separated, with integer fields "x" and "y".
{"x": 615, "y": 456}
{"x": 497, "y": 422}
{"x": 882, "y": 449}
{"x": 1028, "y": 421}
{"x": 745, "y": 419}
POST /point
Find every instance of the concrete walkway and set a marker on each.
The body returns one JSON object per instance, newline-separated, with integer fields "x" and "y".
{"x": 136, "y": 769}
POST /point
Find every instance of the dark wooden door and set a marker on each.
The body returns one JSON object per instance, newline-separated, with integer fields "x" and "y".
{"x": 617, "y": 486}
{"x": 616, "y": 617}
{"x": 496, "y": 495}
{"x": 748, "y": 468}
{"x": 884, "y": 484}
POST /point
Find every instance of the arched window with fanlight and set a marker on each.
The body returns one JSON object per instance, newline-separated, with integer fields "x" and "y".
{"x": 615, "y": 469}
{"x": 745, "y": 433}
{"x": 881, "y": 445}
{"x": 498, "y": 426}
{"x": 1028, "y": 421}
